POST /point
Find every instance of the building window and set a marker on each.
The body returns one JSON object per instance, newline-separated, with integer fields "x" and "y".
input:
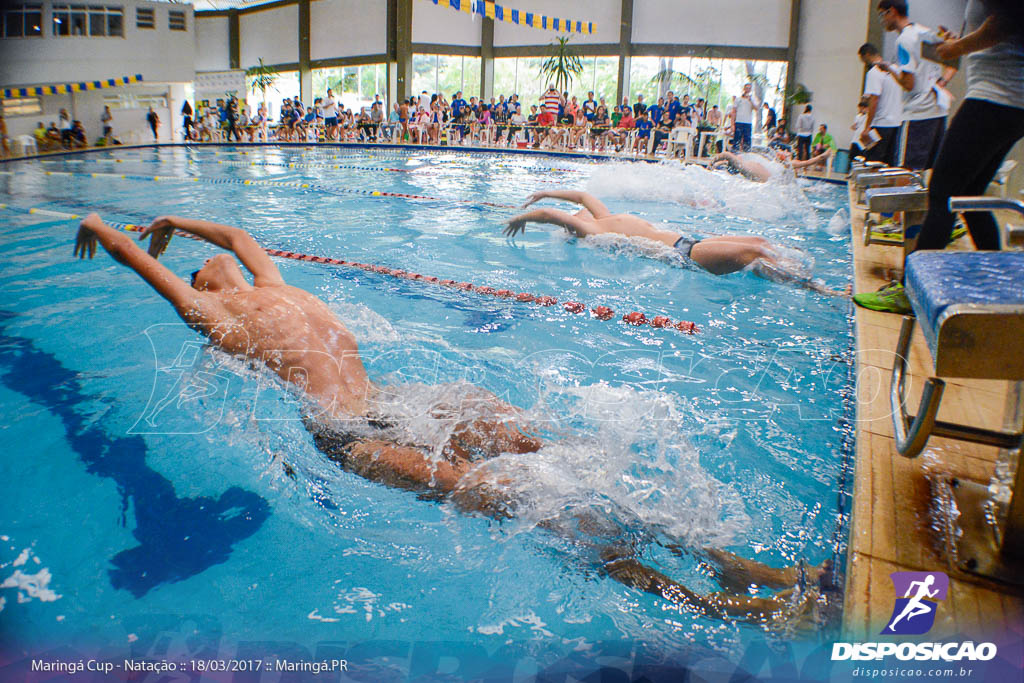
{"x": 144, "y": 17}
{"x": 446, "y": 74}
{"x": 176, "y": 20}
{"x": 135, "y": 101}
{"x": 355, "y": 86}
{"x": 22, "y": 21}
{"x": 21, "y": 106}
{"x": 91, "y": 20}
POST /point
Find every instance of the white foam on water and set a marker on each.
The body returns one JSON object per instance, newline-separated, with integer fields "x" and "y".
{"x": 632, "y": 470}
{"x": 366, "y": 324}
{"x": 529, "y": 619}
{"x": 839, "y": 223}
{"x": 31, "y": 585}
{"x": 22, "y": 558}
{"x": 697, "y": 187}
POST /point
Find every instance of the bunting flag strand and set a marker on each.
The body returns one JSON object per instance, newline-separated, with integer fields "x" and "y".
{"x": 62, "y": 88}
{"x": 492, "y": 10}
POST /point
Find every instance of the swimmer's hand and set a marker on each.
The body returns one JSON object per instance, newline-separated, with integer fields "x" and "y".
{"x": 515, "y": 226}
{"x": 85, "y": 241}
{"x": 535, "y": 197}
{"x": 159, "y": 232}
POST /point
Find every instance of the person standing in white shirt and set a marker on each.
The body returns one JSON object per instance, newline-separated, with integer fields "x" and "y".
{"x": 885, "y": 109}
{"x": 330, "y": 107}
{"x": 804, "y": 132}
{"x": 925, "y": 99}
{"x": 744, "y": 119}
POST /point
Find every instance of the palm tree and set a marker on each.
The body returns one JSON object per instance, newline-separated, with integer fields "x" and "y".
{"x": 261, "y": 77}
{"x": 562, "y": 66}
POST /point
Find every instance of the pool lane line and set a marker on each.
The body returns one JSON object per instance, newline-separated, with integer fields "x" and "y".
{"x": 603, "y": 313}
{"x": 269, "y": 164}
{"x": 433, "y": 153}
{"x": 272, "y": 183}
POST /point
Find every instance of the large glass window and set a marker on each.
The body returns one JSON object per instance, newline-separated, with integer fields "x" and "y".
{"x": 355, "y": 86}
{"x": 716, "y": 80}
{"x": 446, "y": 74}
{"x": 91, "y": 20}
{"x": 600, "y": 76}
{"x": 286, "y": 84}
{"x": 21, "y": 21}
{"x": 519, "y": 76}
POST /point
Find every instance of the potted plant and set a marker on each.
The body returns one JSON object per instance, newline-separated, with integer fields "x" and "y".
{"x": 261, "y": 77}
{"x": 562, "y": 66}
{"x": 797, "y": 96}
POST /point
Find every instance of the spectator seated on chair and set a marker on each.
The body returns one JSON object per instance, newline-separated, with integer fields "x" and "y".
{"x": 78, "y": 137}
{"x": 43, "y": 140}
{"x": 823, "y": 142}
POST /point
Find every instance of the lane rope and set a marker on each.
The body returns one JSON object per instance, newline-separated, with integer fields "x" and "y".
{"x": 603, "y": 313}
{"x": 273, "y": 183}
{"x": 268, "y": 164}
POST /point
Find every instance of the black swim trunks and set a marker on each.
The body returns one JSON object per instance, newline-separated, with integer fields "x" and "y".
{"x": 684, "y": 245}
{"x": 336, "y": 440}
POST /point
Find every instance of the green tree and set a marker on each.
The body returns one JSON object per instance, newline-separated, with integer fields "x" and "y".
{"x": 261, "y": 77}
{"x": 562, "y": 66}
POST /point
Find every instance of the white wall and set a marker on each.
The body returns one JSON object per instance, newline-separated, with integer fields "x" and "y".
{"x": 212, "y": 44}
{"x": 158, "y": 54}
{"x": 347, "y": 28}
{"x": 129, "y": 124}
{"x": 436, "y": 24}
{"x": 760, "y": 23}
{"x": 271, "y": 34}
{"x": 827, "y": 62}
{"x": 606, "y": 15}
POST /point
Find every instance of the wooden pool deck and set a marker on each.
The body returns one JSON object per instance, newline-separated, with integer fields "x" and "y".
{"x": 890, "y": 527}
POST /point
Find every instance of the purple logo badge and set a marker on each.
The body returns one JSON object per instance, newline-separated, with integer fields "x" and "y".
{"x": 917, "y": 596}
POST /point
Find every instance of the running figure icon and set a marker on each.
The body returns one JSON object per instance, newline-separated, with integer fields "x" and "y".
{"x": 914, "y": 612}
{"x": 916, "y": 606}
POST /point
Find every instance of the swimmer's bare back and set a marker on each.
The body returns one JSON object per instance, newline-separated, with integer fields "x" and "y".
{"x": 298, "y": 337}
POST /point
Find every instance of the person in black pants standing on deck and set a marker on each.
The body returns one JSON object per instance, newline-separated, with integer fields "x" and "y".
{"x": 987, "y": 126}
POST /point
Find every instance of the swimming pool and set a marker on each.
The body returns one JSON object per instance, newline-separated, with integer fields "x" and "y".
{"x": 144, "y": 507}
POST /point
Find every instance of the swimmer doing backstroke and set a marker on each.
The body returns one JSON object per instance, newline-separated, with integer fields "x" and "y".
{"x": 295, "y": 335}
{"x": 718, "y": 254}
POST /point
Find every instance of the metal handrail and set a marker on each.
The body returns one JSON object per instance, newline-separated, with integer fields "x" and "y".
{"x": 985, "y": 204}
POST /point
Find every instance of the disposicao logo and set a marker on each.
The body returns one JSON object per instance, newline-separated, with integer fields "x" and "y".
{"x": 917, "y": 598}
{"x": 914, "y": 613}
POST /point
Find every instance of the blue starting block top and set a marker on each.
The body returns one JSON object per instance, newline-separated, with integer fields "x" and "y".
{"x": 937, "y": 280}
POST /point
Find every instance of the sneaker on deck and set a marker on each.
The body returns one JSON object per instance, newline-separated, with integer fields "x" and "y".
{"x": 890, "y": 299}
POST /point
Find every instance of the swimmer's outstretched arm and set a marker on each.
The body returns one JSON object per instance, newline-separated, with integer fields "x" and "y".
{"x": 573, "y": 224}
{"x": 248, "y": 251}
{"x": 192, "y": 306}
{"x": 592, "y": 204}
{"x": 813, "y": 160}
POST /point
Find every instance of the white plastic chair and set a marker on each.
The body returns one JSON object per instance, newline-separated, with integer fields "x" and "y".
{"x": 680, "y": 139}
{"x": 26, "y": 144}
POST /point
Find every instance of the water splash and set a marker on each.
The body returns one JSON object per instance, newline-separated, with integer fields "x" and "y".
{"x": 697, "y": 187}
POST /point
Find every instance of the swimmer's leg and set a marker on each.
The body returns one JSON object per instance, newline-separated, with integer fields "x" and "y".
{"x": 627, "y": 570}
{"x": 737, "y": 574}
{"x": 393, "y": 465}
{"x": 721, "y": 257}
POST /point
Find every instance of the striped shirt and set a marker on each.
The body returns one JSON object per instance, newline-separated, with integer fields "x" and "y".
{"x": 551, "y": 102}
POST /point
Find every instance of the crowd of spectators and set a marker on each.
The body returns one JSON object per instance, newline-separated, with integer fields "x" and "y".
{"x": 557, "y": 121}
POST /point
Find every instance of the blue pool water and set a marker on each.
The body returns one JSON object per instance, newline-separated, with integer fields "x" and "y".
{"x": 143, "y": 501}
